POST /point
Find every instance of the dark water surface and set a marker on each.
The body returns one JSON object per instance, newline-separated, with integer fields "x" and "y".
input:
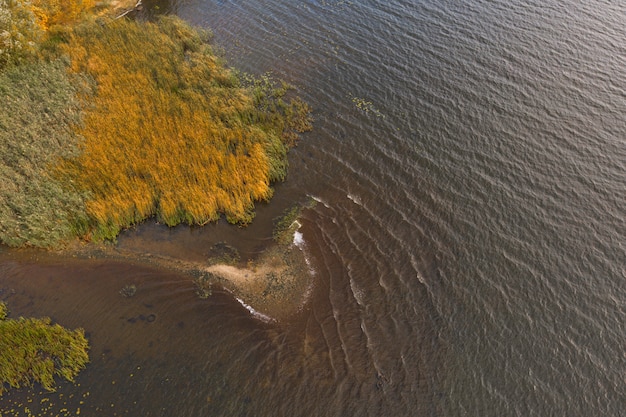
{"x": 469, "y": 244}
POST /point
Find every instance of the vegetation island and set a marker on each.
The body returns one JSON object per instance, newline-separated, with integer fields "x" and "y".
{"x": 35, "y": 350}
{"x": 107, "y": 121}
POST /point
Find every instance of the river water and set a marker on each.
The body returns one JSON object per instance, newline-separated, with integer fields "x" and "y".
{"x": 468, "y": 247}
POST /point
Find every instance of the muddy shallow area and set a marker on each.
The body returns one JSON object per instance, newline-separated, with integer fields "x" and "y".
{"x": 149, "y": 325}
{"x": 272, "y": 282}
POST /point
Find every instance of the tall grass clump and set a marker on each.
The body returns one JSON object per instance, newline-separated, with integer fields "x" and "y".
{"x": 35, "y": 351}
{"x": 24, "y": 25}
{"x": 38, "y": 116}
{"x": 20, "y": 32}
{"x": 59, "y": 12}
{"x": 286, "y": 225}
{"x": 170, "y": 130}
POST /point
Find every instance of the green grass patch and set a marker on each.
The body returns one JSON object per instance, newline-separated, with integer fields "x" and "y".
{"x": 36, "y": 351}
{"x": 38, "y": 116}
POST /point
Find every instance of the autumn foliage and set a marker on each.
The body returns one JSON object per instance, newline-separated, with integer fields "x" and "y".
{"x": 24, "y": 24}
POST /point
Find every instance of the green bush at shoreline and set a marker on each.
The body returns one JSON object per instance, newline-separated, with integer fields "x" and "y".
{"x": 35, "y": 351}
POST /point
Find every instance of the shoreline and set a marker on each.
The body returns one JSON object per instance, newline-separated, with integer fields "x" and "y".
{"x": 273, "y": 287}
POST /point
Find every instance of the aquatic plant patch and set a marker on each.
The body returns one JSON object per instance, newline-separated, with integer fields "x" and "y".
{"x": 36, "y": 351}
{"x": 286, "y": 225}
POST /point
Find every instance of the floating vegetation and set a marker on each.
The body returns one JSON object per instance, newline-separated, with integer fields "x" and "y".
{"x": 366, "y": 106}
{"x": 203, "y": 285}
{"x": 128, "y": 290}
{"x": 38, "y": 403}
{"x": 223, "y": 253}
{"x": 289, "y": 117}
{"x": 35, "y": 351}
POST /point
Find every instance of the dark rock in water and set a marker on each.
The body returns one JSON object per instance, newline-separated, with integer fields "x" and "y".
{"x": 149, "y": 318}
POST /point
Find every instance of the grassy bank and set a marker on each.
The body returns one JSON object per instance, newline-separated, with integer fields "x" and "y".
{"x": 120, "y": 120}
{"x": 37, "y": 122}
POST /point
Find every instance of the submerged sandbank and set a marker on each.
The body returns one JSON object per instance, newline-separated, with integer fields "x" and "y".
{"x": 275, "y": 284}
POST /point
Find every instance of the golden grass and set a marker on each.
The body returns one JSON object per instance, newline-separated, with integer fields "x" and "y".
{"x": 26, "y": 24}
{"x": 169, "y": 131}
{"x": 166, "y": 129}
{"x": 59, "y": 12}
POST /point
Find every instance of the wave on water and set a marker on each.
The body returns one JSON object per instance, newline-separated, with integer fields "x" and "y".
{"x": 355, "y": 199}
{"x": 254, "y": 313}
{"x": 319, "y": 200}
{"x": 298, "y": 241}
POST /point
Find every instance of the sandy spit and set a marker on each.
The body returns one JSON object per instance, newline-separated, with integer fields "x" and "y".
{"x": 276, "y": 284}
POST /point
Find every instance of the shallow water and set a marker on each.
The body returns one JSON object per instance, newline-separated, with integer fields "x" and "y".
{"x": 468, "y": 244}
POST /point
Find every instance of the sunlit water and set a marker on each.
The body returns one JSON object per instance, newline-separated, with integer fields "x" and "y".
{"x": 467, "y": 249}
